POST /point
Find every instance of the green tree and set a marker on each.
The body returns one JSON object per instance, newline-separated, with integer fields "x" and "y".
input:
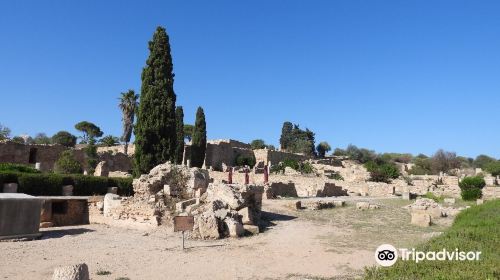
{"x": 4, "y": 132}
{"x": 42, "y": 138}
{"x": 92, "y": 158}
{"x": 128, "y": 105}
{"x": 18, "y": 139}
{"x": 493, "y": 168}
{"x": 323, "y": 148}
{"x": 286, "y": 135}
{"x": 258, "y": 144}
{"x": 67, "y": 164}
{"x": 188, "y": 132}
{"x": 482, "y": 160}
{"x": 199, "y": 143}
{"x": 64, "y": 138}
{"x": 109, "y": 141}
{"x": 89, "y": 130}
{"x": 179, "y": 129}
{"x": 155, "y": 137}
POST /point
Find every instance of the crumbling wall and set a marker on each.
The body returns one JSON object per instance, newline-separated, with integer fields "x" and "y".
{"x": 221, "y": 152}
{"x": 275, "y": 157}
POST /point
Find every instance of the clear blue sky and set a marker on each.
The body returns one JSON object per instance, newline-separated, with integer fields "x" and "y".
{"x": 393, "y": 76}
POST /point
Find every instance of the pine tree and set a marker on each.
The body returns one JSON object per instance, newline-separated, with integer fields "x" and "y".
{"x": 155, "y": 137}
{"x": 199, "y": 141}
{"x": 179, "y": 118}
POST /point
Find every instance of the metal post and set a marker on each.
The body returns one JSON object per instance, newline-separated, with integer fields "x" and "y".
{"x": 182, "y": 240}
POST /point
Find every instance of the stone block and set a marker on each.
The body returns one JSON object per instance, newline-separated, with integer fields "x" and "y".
{"x": 373, "y": 206}
{"x": 479, "y": 201}
{"x": 72, "y": 272}
{"x": 111, "y": 201}
{"x": 234, "y": 227}
{"x": 362, "y": 205}
{"x": 181, "y": 206}
{"x": 406, "y": 196}
{"x": 449, "y": 200}
{"x": 246, "y": 216}
{"x": 113, "y": 190}
{"x": 339, "y": 203}
{"x": 10, "y": 188}
{"x": 254, "y": 230}
{"x": 421, "y": 219}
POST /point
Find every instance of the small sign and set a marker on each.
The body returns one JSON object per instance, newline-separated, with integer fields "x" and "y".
{"x": 183, "y": 223}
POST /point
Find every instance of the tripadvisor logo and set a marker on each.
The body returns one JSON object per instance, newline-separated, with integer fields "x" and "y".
{"x": 387, "y": 255}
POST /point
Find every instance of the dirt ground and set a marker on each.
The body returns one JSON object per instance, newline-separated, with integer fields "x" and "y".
{"x": 326, "y": 244}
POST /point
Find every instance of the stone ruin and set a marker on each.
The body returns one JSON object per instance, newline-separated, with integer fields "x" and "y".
{"x": 220, "y": 210}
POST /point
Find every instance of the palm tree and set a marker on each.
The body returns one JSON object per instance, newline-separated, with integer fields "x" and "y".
{"x": 128, "y": 105}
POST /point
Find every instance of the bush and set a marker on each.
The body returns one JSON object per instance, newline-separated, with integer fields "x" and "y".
{"x": 40, "y": 184}
{"x": 493, "y": 168}
{"x": 242, "y": 160}
{"x": 302, "y": 167}
{"x": 67, "y": 164}
{"x": 471, "y": 194}
{"x": 258, "y": 144}
{"x": 13, "y": 167}
{"x": 471, "y": 187}
{"x": 434, "y": 197}
{"x": 44, "y": 184}
{"x": 382, "y": 172}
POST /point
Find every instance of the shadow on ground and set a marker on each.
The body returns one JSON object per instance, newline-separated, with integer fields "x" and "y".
{"x": 58, "y": 233}
{"x": 268, "y": 219}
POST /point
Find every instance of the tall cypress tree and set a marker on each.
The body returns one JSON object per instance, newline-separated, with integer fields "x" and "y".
{"x": 286, "y": 135}
{"x": 155, "y": 138}
{"x": 179, "y": 118}
{"x": 199, "y": 140}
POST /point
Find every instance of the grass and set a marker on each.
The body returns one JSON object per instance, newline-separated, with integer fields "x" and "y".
{"x": 475, "y": 229}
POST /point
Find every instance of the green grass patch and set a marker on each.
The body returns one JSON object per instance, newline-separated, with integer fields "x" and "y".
{"x": 475, "y": 229}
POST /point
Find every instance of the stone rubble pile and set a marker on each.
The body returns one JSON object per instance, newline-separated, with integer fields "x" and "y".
{"x": 226, "y": 210}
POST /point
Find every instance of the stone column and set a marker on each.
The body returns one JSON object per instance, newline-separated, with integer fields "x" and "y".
{"x": 247, "y": 177}
{"x": 230, "y": 176}
{"x": 266, "y": 174}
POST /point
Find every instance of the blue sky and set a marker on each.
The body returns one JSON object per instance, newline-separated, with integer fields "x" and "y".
{"x": 393, "y": 76}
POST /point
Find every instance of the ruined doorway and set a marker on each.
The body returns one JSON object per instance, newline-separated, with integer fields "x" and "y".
{"x": 33, "y": 152}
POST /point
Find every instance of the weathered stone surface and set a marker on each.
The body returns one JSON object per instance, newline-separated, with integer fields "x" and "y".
{"x": 227, "y": 194}
{"x": 111, "y": 201}
{"x": 317, "y": 204}
{"x": 119, "y": 174}
{"x": 373, "y": 206}
{"x": 426, "y": 206}
{"x": 46, "y": 224}
{"x": 290, "y": 171}
{"x": 181, "y": 206}
{"x": 246, "y": 216}
{"x": 362, "y": 205}
{"x": 339, "y": 203}
{"x": 479, "y": 201}
{"x": 207, "y": 225}
{"x": 72, "y": 272}
{"x": 102, "y": 169}
{"x": 406, "y": 196}
{"x": 421, "y": 219}
{"x": 254, "y": 230}
{"x": 234, "y": 227}
{"x": 449, "y": 200}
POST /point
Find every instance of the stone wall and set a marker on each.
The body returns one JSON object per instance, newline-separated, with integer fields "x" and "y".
{"x": 491, "y": 193}
{"x": 47, "y": 155}
{"x": 117, "y": 149}
{"x": 221, "y": 152}
{"x": 275, "y": 157}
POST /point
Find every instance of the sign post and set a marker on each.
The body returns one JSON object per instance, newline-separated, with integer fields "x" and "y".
{"x": 183, "y": 223}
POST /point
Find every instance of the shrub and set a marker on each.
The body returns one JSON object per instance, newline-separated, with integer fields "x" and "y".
{"x": 303, "y": 167}
{"x": 493, "y": 168}
{"x": 67, "y": 164}
{"x": 40, "y": 184}
{"x": 471, "y": 187}
{"x": 13, "y": 167}
{"x": 242, "y": 160}
{"x": 45, "y": 184}
{"x": 258, "y": 144}
{"x": 382, "y": 172}
{"x": 339, "y": 152}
